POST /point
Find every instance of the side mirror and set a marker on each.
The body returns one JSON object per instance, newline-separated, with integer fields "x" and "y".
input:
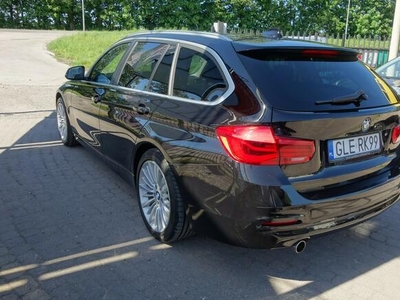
{"x": 75, "y": 73}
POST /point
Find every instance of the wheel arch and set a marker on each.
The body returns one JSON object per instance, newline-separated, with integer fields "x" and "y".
{"x": 58, "y": 95}
{"x": 141, "y": 148}
{"x": 66, "y": 99}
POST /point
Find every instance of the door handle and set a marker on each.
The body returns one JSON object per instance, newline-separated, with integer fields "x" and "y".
{"x": 143, "y": 109}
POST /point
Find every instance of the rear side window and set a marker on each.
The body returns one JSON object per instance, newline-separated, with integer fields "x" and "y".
{"x": 197, "y": 76}
{"x": 293, "y": 81}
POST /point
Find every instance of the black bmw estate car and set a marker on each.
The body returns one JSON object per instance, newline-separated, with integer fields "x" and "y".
{"x": 257, "y": 142}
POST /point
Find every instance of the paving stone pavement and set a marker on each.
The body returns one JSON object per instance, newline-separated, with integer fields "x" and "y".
{"x": 70, "y": 228}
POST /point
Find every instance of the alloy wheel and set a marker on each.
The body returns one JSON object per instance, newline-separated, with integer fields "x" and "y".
{"x": 62, "y": 121}
{"x": 154, "y": 196}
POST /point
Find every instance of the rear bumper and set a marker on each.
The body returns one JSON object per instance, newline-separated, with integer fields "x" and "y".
{"x": 238, "y": 219}
{"x": 286, "y": 237}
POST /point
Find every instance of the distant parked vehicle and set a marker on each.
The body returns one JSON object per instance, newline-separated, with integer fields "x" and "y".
{"x": 391, "y": 73}
{"x": 258, "y": 142}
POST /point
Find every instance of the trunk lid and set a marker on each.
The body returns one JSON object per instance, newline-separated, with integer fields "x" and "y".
{"x": 326, "y": 95}
{"x": 345, "y": 147}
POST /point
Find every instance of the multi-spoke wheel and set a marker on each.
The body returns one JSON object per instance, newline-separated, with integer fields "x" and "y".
{"x": 154, "y": 196}
{"x": 64, "y": 128}
{"x": 160, "y": 201}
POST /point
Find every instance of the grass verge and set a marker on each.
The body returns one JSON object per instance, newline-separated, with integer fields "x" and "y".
{"x": 84, "y": 48}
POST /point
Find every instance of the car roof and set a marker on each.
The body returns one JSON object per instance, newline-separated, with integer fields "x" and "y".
{"x": 241, "y": 42}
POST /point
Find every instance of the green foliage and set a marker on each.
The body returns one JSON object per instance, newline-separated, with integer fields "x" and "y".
{"x": 78, "y": 49}
{"x": 367, "y": 17}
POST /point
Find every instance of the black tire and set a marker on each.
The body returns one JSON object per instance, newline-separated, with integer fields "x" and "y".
{"x": 157, "y": 189}
{"x": 63, "y": 125}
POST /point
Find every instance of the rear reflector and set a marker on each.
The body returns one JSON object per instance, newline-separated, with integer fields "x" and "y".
{"x": 258, "y": 145}
{"x": 396, "y": 134}
{"x": 280, "y": 223}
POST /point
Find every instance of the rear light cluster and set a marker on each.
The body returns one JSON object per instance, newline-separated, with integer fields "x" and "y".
{"x": 396, "y": 134}
{"x": 258, "y": 145}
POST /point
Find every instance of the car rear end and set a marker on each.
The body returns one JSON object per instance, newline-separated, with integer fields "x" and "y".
{"x": 327, "y": 150}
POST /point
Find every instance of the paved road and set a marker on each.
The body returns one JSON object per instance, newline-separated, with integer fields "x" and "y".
{"x": 70, "y": 228}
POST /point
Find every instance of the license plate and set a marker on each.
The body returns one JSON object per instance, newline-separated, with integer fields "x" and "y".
{"x": 353, "y": 147}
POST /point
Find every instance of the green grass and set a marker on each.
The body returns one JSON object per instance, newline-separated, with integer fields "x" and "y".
{"x": 84, "y": 48}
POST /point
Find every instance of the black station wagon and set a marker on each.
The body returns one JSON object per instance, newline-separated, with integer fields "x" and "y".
{"x": 257, "y": 142}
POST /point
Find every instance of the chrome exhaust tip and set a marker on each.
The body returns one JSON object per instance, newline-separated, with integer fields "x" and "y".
{"x": 300, "y": 246}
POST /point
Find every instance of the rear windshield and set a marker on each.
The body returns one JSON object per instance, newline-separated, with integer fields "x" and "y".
{"x": 299, "y": 82}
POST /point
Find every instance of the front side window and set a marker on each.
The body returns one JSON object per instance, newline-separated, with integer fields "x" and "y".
{"x": 197, "y": 76}
{"x": 105, "y": 68}
{"x": 142, "y": 65}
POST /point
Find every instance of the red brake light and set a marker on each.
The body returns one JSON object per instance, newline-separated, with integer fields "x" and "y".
{"x": 396, "y": 134}
{"x": 258, "y": 145}
{"x": 320, "y": 52}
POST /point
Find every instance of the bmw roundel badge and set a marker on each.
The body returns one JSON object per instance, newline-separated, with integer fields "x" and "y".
{"x": 366, "y": 124}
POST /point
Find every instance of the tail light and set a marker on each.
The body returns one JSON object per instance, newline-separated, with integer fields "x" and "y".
{"x": 258, "y": 145}
{"x": 396, "y": 134}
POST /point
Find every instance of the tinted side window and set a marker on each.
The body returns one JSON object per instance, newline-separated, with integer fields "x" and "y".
{"x": 104, "y": 69}
{"x": 141, "y": 65}
{"x": 197, "y": 76}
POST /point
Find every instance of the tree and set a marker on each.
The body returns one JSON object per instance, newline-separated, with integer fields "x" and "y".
{"x": 372, "y": 17}
{"x": 367, "y": 17}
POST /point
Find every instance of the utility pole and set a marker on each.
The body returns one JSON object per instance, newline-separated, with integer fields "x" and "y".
{"x": 83, "y": 15}
{"x": 347, "y": 24}
{"x": 394, "y": 41}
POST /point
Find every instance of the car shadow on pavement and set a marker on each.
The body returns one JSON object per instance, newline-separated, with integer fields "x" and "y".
{"x": 70, "y": 228}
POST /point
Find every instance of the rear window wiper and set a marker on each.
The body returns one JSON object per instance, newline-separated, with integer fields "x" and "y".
{"x": 355, "y": 98}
